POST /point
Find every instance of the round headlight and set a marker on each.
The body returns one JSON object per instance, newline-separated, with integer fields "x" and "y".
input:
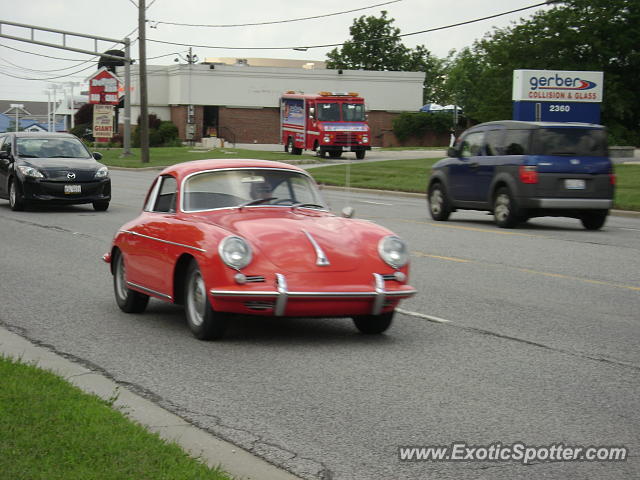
{"x": 235, "y": 252}
{"x": 393, "y": 251}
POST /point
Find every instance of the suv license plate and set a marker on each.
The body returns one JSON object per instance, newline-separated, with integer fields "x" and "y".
{"x": 72, "y": 189}
{"x": 574, "y": 184}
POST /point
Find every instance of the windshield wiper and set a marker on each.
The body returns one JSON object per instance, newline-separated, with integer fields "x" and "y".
{"x": 307, "y": 205}
{"x": 257, "y": 201}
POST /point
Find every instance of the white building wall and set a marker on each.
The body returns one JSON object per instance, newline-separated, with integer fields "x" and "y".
{"x": 247, "y": 86}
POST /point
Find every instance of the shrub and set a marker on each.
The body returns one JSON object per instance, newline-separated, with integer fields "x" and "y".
{"x": 415, "y": 124}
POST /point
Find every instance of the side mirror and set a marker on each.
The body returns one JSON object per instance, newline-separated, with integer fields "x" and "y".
{"x": 97, "y": 155}
{"x": 452, "y": 152}
{"x": 348, "y": 212}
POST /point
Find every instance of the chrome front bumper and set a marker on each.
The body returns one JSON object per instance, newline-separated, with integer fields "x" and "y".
{"x": 282, "y": 294}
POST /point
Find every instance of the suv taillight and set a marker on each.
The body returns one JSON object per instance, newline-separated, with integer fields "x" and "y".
{"x": 528, "y": 174}
{"x": 612, "y": 178}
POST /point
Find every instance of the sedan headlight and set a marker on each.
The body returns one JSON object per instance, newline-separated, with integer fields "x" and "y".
{"x": 30, "y": 172}
{"x": 235, "y": 252}
{"x": 393, "y": 251}
{"x": 103, "y": 172}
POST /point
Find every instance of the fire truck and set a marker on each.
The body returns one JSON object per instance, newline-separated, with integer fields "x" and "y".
{"x": 328, "y": 123}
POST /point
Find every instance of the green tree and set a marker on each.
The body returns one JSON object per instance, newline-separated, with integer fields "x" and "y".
{"x": 598, "y": 35}
{"x": 376, "y": 45}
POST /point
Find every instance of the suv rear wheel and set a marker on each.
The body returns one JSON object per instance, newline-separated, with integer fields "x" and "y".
{"x": 594, "y": 220}
{"x": 505, "y": 210}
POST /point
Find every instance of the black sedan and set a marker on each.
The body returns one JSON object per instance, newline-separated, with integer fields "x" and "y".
{"x": 51, "y": 167}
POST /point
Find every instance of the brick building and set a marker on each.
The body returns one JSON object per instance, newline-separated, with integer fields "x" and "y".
{"x": 240, "y": 102}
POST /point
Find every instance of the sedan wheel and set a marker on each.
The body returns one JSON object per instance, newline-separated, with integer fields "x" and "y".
{"x": 16, "y": 201}
{"x": 204, "y": 322}
{"x": 373, "y": 324}
{"x": 594, "y": 220}
{"x": 128, "y": 300}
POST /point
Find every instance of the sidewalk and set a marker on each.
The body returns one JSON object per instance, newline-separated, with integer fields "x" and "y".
{"x": 198, "y": 443}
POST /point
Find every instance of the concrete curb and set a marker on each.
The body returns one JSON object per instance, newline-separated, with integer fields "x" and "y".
{"x": 198, "y": 443}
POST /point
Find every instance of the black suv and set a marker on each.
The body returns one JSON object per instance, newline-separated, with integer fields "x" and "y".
{"x": 51, "y": 167}
{"x": 519, "y": 170}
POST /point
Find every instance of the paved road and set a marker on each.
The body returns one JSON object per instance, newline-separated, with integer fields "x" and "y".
{"x": 517, "y": 335}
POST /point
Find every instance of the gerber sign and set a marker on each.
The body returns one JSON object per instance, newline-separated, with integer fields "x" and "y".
{"x": 557, "y": 86}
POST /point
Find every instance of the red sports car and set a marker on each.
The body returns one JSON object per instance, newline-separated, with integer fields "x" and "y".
{"x": 254, "y": 237}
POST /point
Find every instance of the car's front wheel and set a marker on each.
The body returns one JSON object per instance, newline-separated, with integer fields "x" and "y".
{"x": 100, "y": 206}
{"x": 594, "y": 220}
{"x": 128, "y": 300}
{"x": 439, "y": 206}
{"x": 16, "y": 201}
{"x": 203, "y": 321}
{"x": 360, "y": 154}
{"x": 373, "y": 324}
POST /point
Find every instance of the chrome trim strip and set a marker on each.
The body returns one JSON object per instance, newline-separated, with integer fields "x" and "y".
{"x": 586, "y": 203}
{"x": 281, "y": 301}
{"x": 152, "y": 292}
{"x": 321, "y": 257}
{"x": 164, "y": 241}
{"x": 378, "y": 303}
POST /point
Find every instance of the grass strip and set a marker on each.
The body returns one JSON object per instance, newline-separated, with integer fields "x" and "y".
{"x": 165, "y": 156}
{"x": 51, "y": 430}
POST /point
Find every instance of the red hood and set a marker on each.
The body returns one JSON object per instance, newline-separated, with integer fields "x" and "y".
{"x": 279, "y": 234}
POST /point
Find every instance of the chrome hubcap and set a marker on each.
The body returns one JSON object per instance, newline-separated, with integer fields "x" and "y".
{"x": 196, "y": 299}
{"x": 502, "y": 207}
{"x": 436, "y": 201}
{"x": 121, "y": 283}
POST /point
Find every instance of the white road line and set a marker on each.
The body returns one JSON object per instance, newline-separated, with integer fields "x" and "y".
{"x": 376, "y": 203}
{"x": 431, "y": 318}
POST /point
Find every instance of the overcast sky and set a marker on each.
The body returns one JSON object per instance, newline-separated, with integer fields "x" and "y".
{"x": 119, "y": 18}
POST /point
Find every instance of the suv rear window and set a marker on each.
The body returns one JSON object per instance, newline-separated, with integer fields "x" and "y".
{"x": 582, "y": 142}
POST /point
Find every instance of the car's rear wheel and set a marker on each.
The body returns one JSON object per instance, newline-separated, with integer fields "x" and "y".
{"x": 360, "y": 154}
{"x": 16, "y": 201}
{"x": 203, "y": 321}
{"x": 128, "y": 300}
{"x": 373, "y": 324}
{"x": 594, "y": 220}
{"x": 505, "y": 210}
{"x": 439, "y": 206}
{"x": 100, "y": 206}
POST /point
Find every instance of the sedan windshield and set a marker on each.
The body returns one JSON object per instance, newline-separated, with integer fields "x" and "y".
{"x": 249, "y": 187}
{"x": 43, "y": 147}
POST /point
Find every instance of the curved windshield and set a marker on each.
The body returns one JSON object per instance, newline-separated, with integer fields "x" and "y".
{"x": 68, "y": 147}
{"x": 249, "y": 187}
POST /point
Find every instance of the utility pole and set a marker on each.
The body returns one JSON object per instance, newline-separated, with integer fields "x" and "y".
{"x": 126, "y": 139}
{"x": 144, "y": 109}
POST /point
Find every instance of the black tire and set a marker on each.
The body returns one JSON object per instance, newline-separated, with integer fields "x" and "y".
{"x": 16, "y": 200}
{"x": 505, "y": 209}
{"x": 439, "y": 205}
{"x": 594, "y": 220}
{"x": 286, "y": 145}
{"x": 373, "y": 324}
{"x": 335, "y": 154}
{"x": 296, "y": 150}
{"x": 360, "y": 154}
{"x": 203, "y": 321}
{"x": 100, "y": 206}
{"x": 128, "y": 300}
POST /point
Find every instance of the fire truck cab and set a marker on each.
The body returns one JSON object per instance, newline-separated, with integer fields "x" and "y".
{"x": 327, "y": 123}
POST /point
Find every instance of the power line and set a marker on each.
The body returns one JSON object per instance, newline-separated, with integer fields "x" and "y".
{"x": 45, "y": 71}
{"x": 307, "y": 47}
{"x": 47, "y": 78}
{"x": 158, "y": 22}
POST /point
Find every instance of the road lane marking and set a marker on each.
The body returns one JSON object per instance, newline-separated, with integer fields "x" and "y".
{"x": 440, "y": 257}
{"x": 376, "y": 203}
{"x": 529, "y": 271}
{"x": 472, "y": 229}
{"x": 431, "y": 318}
